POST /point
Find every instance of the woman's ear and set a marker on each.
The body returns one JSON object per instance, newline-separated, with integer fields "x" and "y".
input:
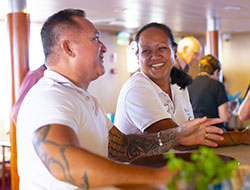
{"x": 67, "y": 48}
{"x": 137, "y": 55}
{"x": 215, "y": 75}
{"x": 175, "y": 51}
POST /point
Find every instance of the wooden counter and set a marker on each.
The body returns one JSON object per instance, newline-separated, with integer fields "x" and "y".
{"x": 240, "y": 152}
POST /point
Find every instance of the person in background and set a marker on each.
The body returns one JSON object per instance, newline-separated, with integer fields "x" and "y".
{"x": 156, "y": 98}
{"x": 30, "y": 79}
{"x": 66, "y": 134}
{"x": 188, "y": 53}
{"x": 207, "y": 95}
{"x": 244, "y": 109}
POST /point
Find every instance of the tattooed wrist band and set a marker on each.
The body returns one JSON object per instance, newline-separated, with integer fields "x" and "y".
{"x": 159, "y": 138}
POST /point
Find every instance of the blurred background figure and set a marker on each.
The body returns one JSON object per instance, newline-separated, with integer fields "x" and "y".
{"x": 207, "y": 95}
{"x": 244, "y": 110}
{"x": 188, "y": 53}
{"x": 31, "y": 78}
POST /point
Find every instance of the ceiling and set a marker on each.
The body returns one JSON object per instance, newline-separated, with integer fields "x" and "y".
{"x": 183, "y": 16}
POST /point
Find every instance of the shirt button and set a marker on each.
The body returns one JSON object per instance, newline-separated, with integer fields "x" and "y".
{"x": 87, "y": 98}
{"x": 167, "y": 107}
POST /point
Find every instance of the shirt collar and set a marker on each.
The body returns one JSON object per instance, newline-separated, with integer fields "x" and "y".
{"x": 175, "y": 89}
{"x": 60, "y": 79}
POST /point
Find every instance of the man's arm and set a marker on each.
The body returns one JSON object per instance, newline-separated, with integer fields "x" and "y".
{"x": 58, "y": 148}
{"x": 129, "y": 147}
{"x": 196, "y": 132}
{"x": 244, "y": 110}
{"x": 225, "y": 111}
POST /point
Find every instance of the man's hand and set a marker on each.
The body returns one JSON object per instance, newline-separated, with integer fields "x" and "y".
{"x": 200, "y": 132}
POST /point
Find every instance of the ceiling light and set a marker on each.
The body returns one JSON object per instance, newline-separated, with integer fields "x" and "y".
{"x": 120, "y": 10}
{"x": 232, "y": 8}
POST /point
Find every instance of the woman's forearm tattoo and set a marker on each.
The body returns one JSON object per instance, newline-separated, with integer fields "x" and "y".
{"x": 40, "y": 141}
{"x": 129, "y": 147}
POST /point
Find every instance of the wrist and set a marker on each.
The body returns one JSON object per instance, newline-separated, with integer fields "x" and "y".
{"x": 169, "y": 138}
{"x": 160, "y": 143}
{"x": 179, "y": 135}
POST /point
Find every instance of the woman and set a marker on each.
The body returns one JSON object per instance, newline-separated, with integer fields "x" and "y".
{"x": 155, "y": 98}
{"x": 206, "y": 86}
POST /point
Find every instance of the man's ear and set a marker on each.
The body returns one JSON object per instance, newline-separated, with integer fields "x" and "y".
{"x": 67, "y": 48}
{"x": 185, "y": 49}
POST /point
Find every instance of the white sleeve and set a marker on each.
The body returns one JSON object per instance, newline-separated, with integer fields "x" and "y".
{"x": 189, "y": 105}
{"x": 49, "y": 107}
{"x": 109, "y": 124}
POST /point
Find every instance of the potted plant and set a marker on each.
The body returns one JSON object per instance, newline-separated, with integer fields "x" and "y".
{"x": 204, "y": 169}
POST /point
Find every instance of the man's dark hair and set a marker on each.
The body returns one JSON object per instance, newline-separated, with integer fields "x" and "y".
{"x": 178, "y": 77}
{"x": 55, "y": 24}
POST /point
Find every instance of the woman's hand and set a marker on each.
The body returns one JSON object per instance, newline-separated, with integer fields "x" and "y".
{"x": 200, "y": 132}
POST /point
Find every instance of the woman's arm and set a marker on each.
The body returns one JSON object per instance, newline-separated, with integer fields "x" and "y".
{"x": 244, "y": 110}
{"x": 225, "y": 111}
{"x": 195, "y": 132}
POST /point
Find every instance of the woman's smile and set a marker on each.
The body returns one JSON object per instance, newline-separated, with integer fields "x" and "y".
{"x": 157, "y": 65}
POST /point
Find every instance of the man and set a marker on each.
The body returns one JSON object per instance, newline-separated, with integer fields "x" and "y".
{"x": 188, "y": 53}
{"x": 63, "y": 134}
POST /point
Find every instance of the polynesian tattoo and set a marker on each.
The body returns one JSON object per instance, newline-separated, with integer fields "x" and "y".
{"x": 40, "y": 141}
{"x": 126, "y": 148}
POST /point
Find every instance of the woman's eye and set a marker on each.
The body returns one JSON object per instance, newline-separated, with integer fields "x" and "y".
{"x": 145, "y": 51}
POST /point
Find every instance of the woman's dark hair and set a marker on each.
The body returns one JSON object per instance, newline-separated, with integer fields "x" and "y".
{"x": 165, "y": 28}
{"x": 178, "y": 77}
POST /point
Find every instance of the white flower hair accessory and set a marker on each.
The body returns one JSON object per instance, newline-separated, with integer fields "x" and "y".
{"x": 132, "y": 48}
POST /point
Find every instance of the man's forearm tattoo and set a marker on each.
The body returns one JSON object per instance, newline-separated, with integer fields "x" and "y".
{"x": 40, "y": 141}
{"x": 85, "y": 183}
{"x": 129, "y": 147}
